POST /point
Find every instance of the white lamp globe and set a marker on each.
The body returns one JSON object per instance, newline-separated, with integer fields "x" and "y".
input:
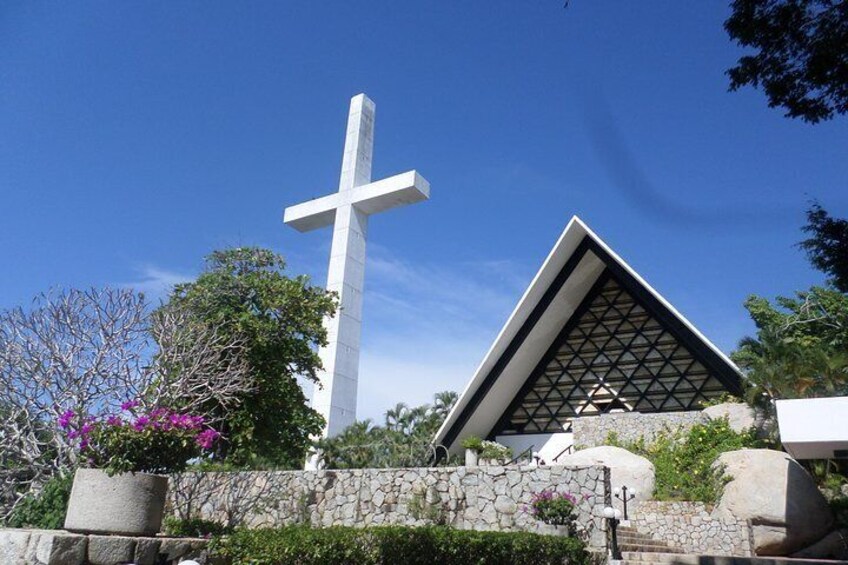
{"x": 616, "y": 491}
{"x": 616, "y": 513}
{"x": 609, "y": 512}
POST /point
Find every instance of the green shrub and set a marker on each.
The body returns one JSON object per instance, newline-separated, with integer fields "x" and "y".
{"x": 473, "y": 443}
{"x": 45, "y": 509}
{"x": 496, "y": 451}
{"x": 392, "y": 545}
{"x": 683, "y": 460}
{"x": 194, "y": 528}
{"x": 557, "y": 509}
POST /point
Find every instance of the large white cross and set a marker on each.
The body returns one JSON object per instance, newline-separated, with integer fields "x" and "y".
{"x": 347, "y": 211}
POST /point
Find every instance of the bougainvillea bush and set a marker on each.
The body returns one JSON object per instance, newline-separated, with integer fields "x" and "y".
{"x": 133, "y": 441}
{"x": 556, "y": 509}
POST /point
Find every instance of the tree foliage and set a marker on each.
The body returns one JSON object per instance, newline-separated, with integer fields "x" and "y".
{"x": 801, "y": 346}
{"x": 800, "y": 54}
{"x": 405, "y": 439}
{"x": 88, "y": 351}
{"x": 245, "y": 294}
{"x": 683, "y": 459}
{"x": 827, "y": 246}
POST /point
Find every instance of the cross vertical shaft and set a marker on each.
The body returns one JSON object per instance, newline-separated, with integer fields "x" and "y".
{"x": 348, "y": 211}
{"x": 336, "y": 399}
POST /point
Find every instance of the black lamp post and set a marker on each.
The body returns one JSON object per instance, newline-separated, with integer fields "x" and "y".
{"x": 612, "y": 515}
{"x": 624, "y": 495}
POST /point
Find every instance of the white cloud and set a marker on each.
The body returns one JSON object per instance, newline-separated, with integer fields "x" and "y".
{"x": 156, "y": 282}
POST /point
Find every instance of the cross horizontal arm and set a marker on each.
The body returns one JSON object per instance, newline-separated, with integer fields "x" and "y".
{"x": 313, "y": 214}
{"x": 399, "y": 190}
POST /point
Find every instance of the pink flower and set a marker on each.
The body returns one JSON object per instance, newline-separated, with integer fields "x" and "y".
{"x": 129, "y": 404}
{"x": 65, "y": 419}
{"x": 140, "y": 423}
{"x": 114, "y": 421}
{"x": 206, "y": 438}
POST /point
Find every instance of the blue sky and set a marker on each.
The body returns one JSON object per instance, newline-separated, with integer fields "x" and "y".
{"x": 136, "y": 137}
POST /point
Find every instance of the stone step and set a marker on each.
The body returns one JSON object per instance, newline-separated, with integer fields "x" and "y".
{"x": 661, "y": 549}
{"x": 652, "y": 558}
{"x": 636, "y": 536}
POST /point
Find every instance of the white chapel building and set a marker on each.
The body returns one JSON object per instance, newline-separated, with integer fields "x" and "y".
{"x": 588, "y": 337}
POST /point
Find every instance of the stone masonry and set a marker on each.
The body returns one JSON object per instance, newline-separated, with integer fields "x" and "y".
{"x": 592, "y": 431}
{"x": 56, "y": 547}
{"x": 479, "y": 498}
{"x": 690, "y": 527}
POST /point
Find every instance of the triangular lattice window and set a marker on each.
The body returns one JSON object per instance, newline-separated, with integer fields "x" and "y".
{"x": 613, "y": 356}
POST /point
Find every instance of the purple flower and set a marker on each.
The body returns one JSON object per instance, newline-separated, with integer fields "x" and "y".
{"x": 65, "y": 419}
{"x": 140, "y": 423}
{"x": 114, "y": 421}
{"x": 129, "y": 405}
{"x": 206, "y": 438}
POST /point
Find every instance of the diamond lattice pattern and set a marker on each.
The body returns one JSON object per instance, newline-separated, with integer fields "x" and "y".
{"x": 618, "y": 357}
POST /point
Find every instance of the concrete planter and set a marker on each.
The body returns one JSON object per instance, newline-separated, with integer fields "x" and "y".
{"x": 471, "y": 458}
{"x": 128, "y": 504}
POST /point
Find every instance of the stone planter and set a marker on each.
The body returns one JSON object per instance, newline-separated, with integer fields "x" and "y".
{"x": 471, "y": 458}
{"x": 128, "y": 504}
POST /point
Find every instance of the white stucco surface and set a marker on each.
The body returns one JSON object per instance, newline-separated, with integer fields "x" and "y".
{"x": 348, "y": 211}
{"x": 813, "y": 428}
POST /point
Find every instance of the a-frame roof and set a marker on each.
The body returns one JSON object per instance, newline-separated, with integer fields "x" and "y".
{"x": 578, "y": 264}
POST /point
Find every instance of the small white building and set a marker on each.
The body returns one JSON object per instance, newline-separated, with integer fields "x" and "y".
{"x": 814, "y": 428}
{"x": 588, "y": 337}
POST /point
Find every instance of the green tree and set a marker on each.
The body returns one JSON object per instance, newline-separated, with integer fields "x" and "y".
{"x": 801, "y": 346}
{"x": 244, "y": 293}
{"x": 800, "y": 54}
{"x": 405, "y": 439}
{"x": 827, "y": 246}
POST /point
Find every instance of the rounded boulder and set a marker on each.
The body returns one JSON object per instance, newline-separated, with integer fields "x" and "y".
{"x": 626, "y": 468}
{"x": 739, "y": 416}
{"x": 785, "y": 508}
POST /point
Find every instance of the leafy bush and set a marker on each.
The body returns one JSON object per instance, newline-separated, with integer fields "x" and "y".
{"x": 160, "y": 441}
{"x": 45, "y": 509}
{"x": 194, "y": 528}
{"x": 395, "y": 544}
{"x": 473, "y": 443}
{"x": 683, "y": 460}
{"x": 494, "y": 450}
{"x": 553, "y": 508}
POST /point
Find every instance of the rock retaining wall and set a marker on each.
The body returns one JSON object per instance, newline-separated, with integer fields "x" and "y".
{"x": 690, "y": 526}
{"x": 53, "y": 547}
{"x": 478, "y": 498}
{"x": 592, "y": 431}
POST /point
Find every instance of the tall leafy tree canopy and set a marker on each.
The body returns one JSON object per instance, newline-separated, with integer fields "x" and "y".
{"x": 800, "y": 56}
{"x": 827, "y": 246}
{"x": 244, "y": 292}
{"x": 801, "y": 346}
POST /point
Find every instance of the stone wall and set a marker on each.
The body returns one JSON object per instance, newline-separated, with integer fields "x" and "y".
{"x": 57, "y": 547}
{"x": 690, "y": 526}
{"x": 479, "y": 498}
{"x": 592, "y": 431}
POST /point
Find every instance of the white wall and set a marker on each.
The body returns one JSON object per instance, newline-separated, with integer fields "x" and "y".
{"x": 547, "y": 445}
{"x": 813, "y": 428}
